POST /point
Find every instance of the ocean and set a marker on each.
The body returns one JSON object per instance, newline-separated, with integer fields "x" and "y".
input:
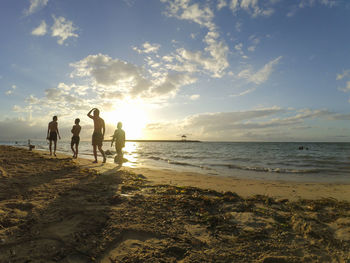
{"x": 316, "y": 162}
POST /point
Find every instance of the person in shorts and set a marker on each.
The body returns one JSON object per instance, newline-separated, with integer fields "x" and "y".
{"x": 75, "y": 138}
{"x": 98, "y": 134}
{"x": 52, "y": 133}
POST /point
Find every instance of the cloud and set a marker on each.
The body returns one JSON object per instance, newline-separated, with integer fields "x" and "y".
{"x": 261, "y": 75}
{"x": 195, "y": 97}
{"x": 221, "y": 4}
{"x": 63, "y": 29}
{"x": 252, "y": 7}
{"x": 35, "y": 5}
{"x": 32, "y": 100}
{"x": 11, "y": 90}
{"x": 346, "y": 73}
{"x": 182, "y": 9}
{"x": 346, "y": 88}
{"x": 310, "y": 3}
{"x": 114, "y": 74}
{"x": 243, "y": 93}
{"x": 40, "y": 30}
{"x": 172, "y": 82}
{"x": 122, "y": 79}
{"x": 236, "y": 125}
{"x": 147, "y": 48}
{"x": 214, "y": 59}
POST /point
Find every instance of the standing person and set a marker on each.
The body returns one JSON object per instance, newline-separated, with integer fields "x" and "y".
{"x": 119, "y": 138}
{"x": 75, "y": 138}
{"x": 99, "y": 132}
{"x": 52, "y": 132}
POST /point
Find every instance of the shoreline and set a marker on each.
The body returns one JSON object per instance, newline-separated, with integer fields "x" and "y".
{"x": 244, "y": 187}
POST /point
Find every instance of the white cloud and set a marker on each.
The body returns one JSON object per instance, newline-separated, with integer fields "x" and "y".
{"x": 221, "y": 4}
{"x": 259, "y": 123}
{"x": 346, "y": 88}
{"x": 252, "y": 7}
{"x": 214, "y": 59}
{"x": 11, "y": 90}
{"x": 63, "y": 29}
{"x": 32, "y": 100}
{"x": 261, "y": 75}
{"x": 182, "y": 9}
{"x": 238, "y": 26}
{"x": 40, "y": 30}
{"x": 172, "y": 82}
{"x": 346, "y": 73}
{"x": 243, "y": 93}
{"x": 35, "y": 5}
{"x": 111, "y": 73}
{"x": 310, "y": 3}
{"x": 195, "y": 97}
{"x": 119, "y": 78}
{"x": 147, "y": 48}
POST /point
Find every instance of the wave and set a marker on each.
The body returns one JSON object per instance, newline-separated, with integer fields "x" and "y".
{"x": 268, "y": 169}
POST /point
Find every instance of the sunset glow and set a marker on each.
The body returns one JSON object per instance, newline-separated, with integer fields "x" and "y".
{"x": 133, "y": 116}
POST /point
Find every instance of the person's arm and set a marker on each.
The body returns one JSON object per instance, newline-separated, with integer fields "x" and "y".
{"x": 58, "y": 133}
{"x": 103, "y": 128}
{"x": 113, "y": 138}
{"x": 48, "y": 130}
{"x": 72, "y": 130}
{"x": 123, "y": 139}
{"x": 89, "y": 114}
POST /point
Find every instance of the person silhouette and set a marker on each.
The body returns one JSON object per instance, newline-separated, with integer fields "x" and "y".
{"x": 75, "y": 138}
{"x": 98, "y": 134}
{"x": 52, "y": 132}
{"x": 119, "y": 139}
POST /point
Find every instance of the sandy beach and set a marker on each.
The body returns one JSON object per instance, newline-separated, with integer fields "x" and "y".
{"x": 65, "y": 210}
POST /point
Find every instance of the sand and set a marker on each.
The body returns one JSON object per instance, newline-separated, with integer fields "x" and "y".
{"x": 64, "y": 210}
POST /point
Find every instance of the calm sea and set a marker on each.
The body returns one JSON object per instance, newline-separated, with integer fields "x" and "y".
{"x": 320, "y": 162}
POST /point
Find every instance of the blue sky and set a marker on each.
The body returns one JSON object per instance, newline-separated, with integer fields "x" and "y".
{"x": 227, "y": 70}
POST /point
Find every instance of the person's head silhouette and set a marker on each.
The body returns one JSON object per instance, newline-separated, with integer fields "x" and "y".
{"x": 96, "y": 112}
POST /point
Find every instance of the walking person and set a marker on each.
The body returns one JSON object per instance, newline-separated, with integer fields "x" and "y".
{"x": 52, "y": 132}
{"x": 119, "y": 139}
{"x": 98, "y": 134}
{"x": 75, "y": 138}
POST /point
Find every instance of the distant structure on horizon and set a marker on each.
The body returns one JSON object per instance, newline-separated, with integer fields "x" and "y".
{"x": 184, "y": 136}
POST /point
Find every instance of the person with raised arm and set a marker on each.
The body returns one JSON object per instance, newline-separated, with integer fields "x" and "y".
{"x": 98, "y": 134}
{"x": 52, "y": 132}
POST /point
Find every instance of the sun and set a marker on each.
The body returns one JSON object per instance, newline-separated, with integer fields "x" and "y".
{"x": 132, "y": 114}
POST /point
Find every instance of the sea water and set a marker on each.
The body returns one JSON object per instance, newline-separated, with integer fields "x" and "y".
{"x": 320, "y": 162}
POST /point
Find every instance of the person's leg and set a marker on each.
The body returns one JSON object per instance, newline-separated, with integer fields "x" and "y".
{"x": 71, "y": 146}
{"x": 76, "y": 150}
{"x": 95, "y": 153}
{"x": 50, "y": 146}
{"x": 54, "y": 147}
{"x": 102, "y": 152}
{"x": 120, "y": 156}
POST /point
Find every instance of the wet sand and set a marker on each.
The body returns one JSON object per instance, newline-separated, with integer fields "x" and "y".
{"x": 64, "y": 210}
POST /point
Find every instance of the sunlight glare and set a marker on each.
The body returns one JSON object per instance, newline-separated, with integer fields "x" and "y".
{"x": 132, "y": 114}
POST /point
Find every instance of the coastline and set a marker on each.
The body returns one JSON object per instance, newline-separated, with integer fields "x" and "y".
{"x": 243, "y": 187}
{"x": 65, "y": 210}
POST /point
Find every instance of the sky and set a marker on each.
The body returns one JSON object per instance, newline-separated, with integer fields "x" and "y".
{"x": 214, "y": 70}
